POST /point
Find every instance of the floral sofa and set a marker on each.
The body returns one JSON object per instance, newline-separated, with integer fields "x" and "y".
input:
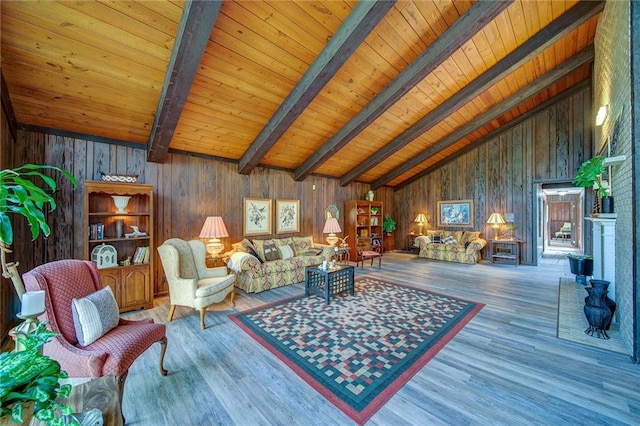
{"x": 261, "y": 265}
{"x": 458, "y": 246}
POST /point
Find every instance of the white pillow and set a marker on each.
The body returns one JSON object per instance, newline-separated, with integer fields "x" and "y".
{"x": 285, "y": 251}
{"x": 94, "y": 315}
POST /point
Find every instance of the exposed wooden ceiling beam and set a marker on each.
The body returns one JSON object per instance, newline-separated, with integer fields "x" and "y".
{"x": 546, "y": 37}
{"x": 8, "y": 107}
{"x": 459, "y": 33}
{"x": 492, "y": 135}
{"x": 362, "y": 19}
{"x": 491, "y": 114}
{"x": 196, "y": 25}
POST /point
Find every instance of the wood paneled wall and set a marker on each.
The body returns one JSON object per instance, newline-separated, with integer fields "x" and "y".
{"x": 499, "y": 175}
{"x": 188, "y": 189}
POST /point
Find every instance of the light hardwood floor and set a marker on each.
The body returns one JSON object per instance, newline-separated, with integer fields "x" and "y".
{"x": 506, "y": 367}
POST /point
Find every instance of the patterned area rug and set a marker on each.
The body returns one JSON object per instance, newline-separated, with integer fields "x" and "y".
{"x": 359, "y": 350}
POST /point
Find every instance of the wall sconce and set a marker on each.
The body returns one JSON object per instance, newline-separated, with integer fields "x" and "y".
{"x": 421, "y": 219}
{"x": 601, "y": 115}
{"x": 214, "y": 229}
{"x": 495, "y": 219}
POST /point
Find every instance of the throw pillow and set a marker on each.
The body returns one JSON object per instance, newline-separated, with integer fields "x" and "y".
{"x": 271, "y": 252}
{"x": 252, "y": 252}
{"x": 450, "y": 239}
{"x": 312, "y": 252}
{"x": 258, "y": 246}
{"x": 94, "y": 315}
{"x": 437, "y": 239}
{"x": 286, "y": 251}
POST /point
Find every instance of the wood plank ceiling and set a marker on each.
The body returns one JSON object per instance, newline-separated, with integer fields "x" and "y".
{"x": 375, "y": 92}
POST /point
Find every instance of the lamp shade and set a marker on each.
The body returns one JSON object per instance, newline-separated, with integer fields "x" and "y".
{"x": 496, "y": 218}
{"x": 421, "y": 218}
{"x": 214, "y": 229}
{"x": 331, "y": 226}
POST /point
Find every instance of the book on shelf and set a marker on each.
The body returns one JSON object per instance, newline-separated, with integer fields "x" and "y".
{"x": 93, "y": 231}
{"x": 99, "y": 231}
{"x": 141, "y": 255}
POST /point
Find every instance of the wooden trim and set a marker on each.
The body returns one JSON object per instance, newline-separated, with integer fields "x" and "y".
{"x": 491, "y": 114}
{"x": 196, "y": 25}
{"x": 353, "y": 31}
{"x": 546, "y": 37}
{"x": 452, "y": 39}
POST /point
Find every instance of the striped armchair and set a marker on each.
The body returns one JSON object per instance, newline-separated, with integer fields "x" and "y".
{"x": 111, "y": 354}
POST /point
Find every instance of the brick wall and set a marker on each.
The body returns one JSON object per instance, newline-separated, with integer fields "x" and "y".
{"x": 612, "y": 87}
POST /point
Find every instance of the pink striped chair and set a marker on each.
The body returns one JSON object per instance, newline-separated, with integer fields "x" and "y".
{"x": 112, "y": 353}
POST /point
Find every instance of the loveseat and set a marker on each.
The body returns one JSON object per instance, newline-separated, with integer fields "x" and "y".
{"x": 261, "y": 265}
{"x": 452, "y": 246}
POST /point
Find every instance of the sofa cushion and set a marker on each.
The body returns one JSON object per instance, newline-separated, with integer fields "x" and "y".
{"x": 469, "y": 236}
{"x": 271, "y": 251}
{"x": 302, "y": 244}
{"x": 94, "y": 315}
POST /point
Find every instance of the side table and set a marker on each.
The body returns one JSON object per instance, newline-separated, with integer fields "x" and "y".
{"x": 342, "y": 255}
{"x": 411, "y": 239}
{"x": 329, "y": 282}
{"x": 505, "y": 251}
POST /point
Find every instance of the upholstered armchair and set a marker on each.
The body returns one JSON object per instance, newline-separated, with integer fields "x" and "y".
{"x": 112, "y": 353}
{"x": 191, "y": 282}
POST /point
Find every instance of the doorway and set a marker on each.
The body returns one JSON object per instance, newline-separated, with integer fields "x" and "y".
{"x": 560, "y": 214}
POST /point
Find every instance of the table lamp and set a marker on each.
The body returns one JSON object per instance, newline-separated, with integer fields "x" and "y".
{"x": 421, "y": 219}
{"x": 331, "y": 226}
{"x": 495, "y": 219}
{"x": 214, "y": 229}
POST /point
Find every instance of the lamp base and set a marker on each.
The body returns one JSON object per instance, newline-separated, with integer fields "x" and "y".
{"x": 214, "y": 247}
{"x": 332, "y": 239}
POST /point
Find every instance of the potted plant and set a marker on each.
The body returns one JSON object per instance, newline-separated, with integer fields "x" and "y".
{"x": 20, "y": 194}
{"x": 388, "y": 224}
{"x": 590, "y": 176}
{"x": 30, "y": 383}
{"x": 582, "y": 266}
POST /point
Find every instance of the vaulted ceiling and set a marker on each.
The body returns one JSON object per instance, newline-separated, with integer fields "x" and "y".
{"x": 378, "y": 92}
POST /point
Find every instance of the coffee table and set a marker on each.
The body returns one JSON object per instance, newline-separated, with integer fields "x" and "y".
{"x": 328, "y": 282}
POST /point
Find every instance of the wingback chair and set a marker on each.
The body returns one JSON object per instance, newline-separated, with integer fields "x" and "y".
{"x": 191, "y": 282}
{"x": 115, "y": 351}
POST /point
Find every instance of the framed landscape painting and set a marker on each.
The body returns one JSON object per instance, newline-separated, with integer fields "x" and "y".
{"x": 455, "y": 213}
{"x": 287, "y": 216}
{"x": 257, "y": 216}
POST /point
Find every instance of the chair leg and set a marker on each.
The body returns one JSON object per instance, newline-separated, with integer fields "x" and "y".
{"x": 120, "y": 384}
{"x": 171, "y": 311}
{"x": 163, "y": 349}
{"x": 379, "y": 262}
{"x": 202, "y": 312}
{"x": 233, "y": 297}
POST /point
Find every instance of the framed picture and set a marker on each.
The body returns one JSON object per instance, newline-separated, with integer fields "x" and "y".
{"x": 257, "y": 216}
{"x": 455, "y": 213}
{"x": 287, "y": 216}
